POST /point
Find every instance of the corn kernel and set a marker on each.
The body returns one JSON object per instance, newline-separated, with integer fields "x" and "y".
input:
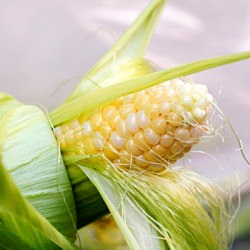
{"x": 110, "y": 153}
{"x": 140, "y": 161}
{"x": 159, "y": 126}
{"x": 132, "y": 148}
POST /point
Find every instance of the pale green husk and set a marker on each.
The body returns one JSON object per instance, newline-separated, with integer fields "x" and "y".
{"x": 180, "y": 208}
{"x": 133, "y": 223}
{"x": 90, "y": 100}
{"x": 132, "y": 44}
{"x": 89, "y": 203}
{"x": 21, "y": 226}
{"x": 7, "y": 102}
{"x": 131, "y": 219}
{"x": 242, "y": 225}
{"x": 30, "y": 153}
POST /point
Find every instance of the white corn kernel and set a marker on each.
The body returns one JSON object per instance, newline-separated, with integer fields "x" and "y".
{"x": 131, "y": 123}
{"x": 141, "y": 119}
{"x": 116, "y": 140}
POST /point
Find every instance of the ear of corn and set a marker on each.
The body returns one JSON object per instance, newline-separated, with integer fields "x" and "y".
{"x": 87, "y": 125}
{"x": 148, "y": 130}
{"x": 18, "y": 125}
{"x": 173, "y": 209}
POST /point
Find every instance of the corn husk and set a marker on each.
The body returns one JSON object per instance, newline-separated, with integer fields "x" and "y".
{"x": 7, "y": 102}
{"x": 37, "y": 208}
{"x": 22, "y": 227}
{"x": 89, "y": 203}
{"x": 242, "y": 227}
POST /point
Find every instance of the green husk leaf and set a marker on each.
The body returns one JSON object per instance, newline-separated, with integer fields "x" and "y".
{"x": 137, "y": 231}
{"x": 10, "y": 238}
{"x": 21, "y": 226}
{"x": 181, "y": 207}
{"x": 30, "y": 153}
{"x": 132, "y": 44}
{"x": 242, "y": 225}
{"x": 89, "y": 203}
{"x": 131, "y": 220}
{"x": 93, "y": 99}
{"x": 7, "y": 102}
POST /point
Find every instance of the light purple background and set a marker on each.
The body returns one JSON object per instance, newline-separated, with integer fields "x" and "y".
{"x": 45, "y": 44}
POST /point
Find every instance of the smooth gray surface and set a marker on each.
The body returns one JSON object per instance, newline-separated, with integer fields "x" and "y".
{"x": 49, "y": 43}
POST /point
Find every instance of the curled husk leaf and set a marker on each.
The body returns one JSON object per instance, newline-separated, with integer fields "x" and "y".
{"x": 30, "y": 154}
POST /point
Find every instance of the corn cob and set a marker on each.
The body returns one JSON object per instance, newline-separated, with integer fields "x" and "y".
{"x": 147, "y": 130}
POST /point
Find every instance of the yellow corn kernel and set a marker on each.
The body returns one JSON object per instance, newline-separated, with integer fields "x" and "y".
{"x": 105, "y": 129}
{"x": 110, "y": 153}
{"x": 140, "y": 161}
{"x": 140, "y": 141}
{"x": 141, "y": 101}
{"x": 126, "y": 109}
{"x": 108, "y": 112}
{"x": 159, "y": 126}
{"x": 125, "y": 157}
{"x": 96, "y": 121}
{"x": 113, "y": 121}
{"x": 132, "y": 148}
{"x": 166, "y": 140}
{"x": 150, "y": 156}
{"x": 159, "y": 150}
{"x": 143, "y": 130}
{"x": 89, "y": 146}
